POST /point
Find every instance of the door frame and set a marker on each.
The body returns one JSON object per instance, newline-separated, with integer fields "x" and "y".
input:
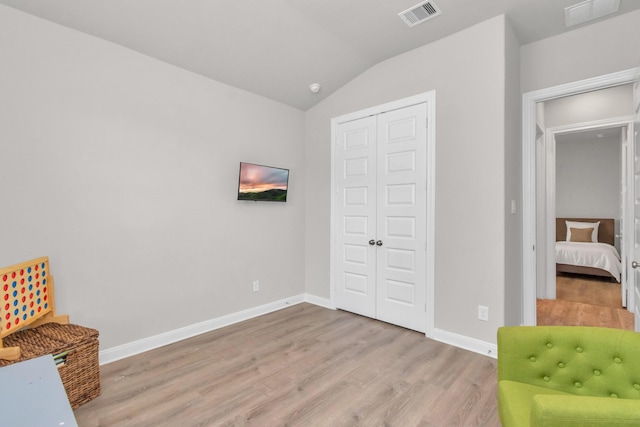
{"x": 529, "y": 244}
{"x": 428, "y": 98}
{"x": 550, "y": 193}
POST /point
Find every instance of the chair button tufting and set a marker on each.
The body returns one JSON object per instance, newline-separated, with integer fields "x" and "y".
{"x": 577, "y": 384}
{"x": 617, "y": 360}
{"x": 613, "y": 395}
{"x": 549, "y": 345}
{"x": 546, "y": 378}
{"x": 532, "y": 358}
{"x": 561, "y": 365}
{"x": 636, "y": 386}
{"x": 579, "y": 349}
{"x": 596, "y": 372}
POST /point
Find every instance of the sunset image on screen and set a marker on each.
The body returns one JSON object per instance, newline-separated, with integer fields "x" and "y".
{"x": 259, "y": 182}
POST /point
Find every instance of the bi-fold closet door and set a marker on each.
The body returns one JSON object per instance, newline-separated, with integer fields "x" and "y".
{"x": 380, "y": 213}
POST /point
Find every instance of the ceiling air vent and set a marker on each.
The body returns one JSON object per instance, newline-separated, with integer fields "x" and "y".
{"x": 419, "y": 13}
{"x": 589, "y": 10}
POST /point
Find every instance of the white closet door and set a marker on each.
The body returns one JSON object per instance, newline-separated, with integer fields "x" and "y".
{"x": 355, "y": 215}
{"x": 401, "y": 217}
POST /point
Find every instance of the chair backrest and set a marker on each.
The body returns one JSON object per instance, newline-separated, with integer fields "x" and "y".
{"x": 579, "y": 360}
{"x": 26, "y": 294}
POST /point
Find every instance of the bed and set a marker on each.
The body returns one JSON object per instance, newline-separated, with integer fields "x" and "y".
{"x": 586, "y": 253}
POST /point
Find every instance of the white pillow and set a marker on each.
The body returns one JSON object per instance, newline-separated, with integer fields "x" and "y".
{"x": 573, "y": 224}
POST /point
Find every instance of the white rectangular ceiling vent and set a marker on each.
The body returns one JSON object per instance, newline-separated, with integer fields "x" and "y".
{"x": 589, "y": 10}
{"x": 419, "y": 13}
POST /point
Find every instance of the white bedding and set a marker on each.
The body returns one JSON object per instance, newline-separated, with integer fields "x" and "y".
{"x": 597, "y": 255}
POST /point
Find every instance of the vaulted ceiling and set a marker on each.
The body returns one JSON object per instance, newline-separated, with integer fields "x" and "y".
{"x": 277, "y": 48}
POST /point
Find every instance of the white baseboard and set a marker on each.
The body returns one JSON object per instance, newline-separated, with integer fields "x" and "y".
{"x": 319, "y": 301}
{"x": 136, "y": 347}
{"x": 464, "y": 342}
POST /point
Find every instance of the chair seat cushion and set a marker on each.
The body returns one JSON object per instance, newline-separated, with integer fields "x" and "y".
{"x": 584, "y": 411}
{"x": 516, "y": 401}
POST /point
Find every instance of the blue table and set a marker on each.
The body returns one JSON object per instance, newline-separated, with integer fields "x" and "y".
{"x": 32, "y": 394}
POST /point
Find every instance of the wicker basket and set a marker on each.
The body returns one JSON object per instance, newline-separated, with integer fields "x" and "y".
{"x": 80, "y": 372}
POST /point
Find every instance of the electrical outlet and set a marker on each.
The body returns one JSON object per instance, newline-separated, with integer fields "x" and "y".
{"x": 483, "y": 313}
{"x": 256, "y": 285}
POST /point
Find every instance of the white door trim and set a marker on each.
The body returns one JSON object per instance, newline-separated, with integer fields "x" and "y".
{"x": 430, "y": 99}
{"x": 529, "y": 101}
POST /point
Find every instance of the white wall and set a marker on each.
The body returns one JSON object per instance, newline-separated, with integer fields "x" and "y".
{"x": 124, "y": 171}
{"x": 609, "y": 103}
{"x": 513, "y": 180}
{"x": 588, "y": 173}
{"x": 590, "y": 51}
{"x": 467, "y": 71}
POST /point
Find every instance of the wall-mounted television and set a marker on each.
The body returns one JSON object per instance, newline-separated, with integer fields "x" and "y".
{"x": 262, "y": 183}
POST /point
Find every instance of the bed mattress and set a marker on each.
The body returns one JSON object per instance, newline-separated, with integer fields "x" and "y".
{"x": 588, "y": 254}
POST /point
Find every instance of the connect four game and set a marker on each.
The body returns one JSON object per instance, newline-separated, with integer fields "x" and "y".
{"x": 26, "y": 298}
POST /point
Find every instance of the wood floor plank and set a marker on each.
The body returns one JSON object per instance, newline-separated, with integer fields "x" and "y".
{"x": 473, "y": 396}
{"x": 589, "y": 290}
{"x": 301, "y": 366}
{"x": 585, "y": 301}
{"x": 335, "y": 360}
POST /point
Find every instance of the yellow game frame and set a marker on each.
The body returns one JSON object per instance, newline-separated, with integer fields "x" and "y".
{"x": 26, "y": 299}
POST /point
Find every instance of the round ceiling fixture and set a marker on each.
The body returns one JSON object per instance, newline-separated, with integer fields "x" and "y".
{"x": 314, "y": 87}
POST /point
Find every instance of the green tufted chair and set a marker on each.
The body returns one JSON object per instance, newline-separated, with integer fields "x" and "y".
{"x": 564, "y": 376}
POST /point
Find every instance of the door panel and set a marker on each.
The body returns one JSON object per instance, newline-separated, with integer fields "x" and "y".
{"x": 401, "y": 217}
{"x": 355, "y": 216}
{"x": 380, "y": 213}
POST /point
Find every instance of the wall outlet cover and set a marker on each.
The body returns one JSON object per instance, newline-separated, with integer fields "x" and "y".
{"x": 483, "y": 313}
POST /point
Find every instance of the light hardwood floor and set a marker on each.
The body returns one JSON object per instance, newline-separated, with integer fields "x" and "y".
{"x": 301, "y": 366}
{"x": 585, "y": 301}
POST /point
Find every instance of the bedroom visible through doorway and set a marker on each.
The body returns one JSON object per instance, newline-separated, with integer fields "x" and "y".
{"x": 534, "y": 248}
{"x": 584, "y": 187}
{"x": 588, "y": 183}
